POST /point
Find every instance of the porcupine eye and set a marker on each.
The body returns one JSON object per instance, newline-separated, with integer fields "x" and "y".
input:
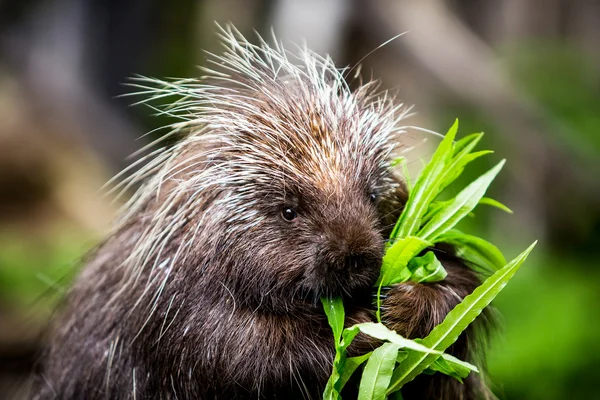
{"x": 373, "y": 197}
{"x": 289, "y": 214}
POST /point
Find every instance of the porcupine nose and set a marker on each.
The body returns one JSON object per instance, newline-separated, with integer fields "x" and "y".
{"x": 356, "y": 247}
{"x": 350, "y": 259}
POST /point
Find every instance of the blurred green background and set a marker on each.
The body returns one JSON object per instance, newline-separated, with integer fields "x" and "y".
{"x": 527, "y": 72}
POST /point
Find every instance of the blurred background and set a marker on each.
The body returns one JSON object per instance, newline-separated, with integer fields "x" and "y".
{"x": 527, "y": 72}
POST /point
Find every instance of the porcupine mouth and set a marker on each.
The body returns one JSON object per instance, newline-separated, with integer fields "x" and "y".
{"x": 354, "y": 276}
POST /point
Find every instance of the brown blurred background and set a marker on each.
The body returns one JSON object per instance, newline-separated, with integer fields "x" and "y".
{"x": 527, "y": 72}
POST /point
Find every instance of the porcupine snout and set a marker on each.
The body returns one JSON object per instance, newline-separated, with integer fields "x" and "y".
{"x": 350, "y": 255}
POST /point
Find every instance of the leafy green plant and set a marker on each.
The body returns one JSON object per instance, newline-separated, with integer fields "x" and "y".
{"x": 425, "y": 221}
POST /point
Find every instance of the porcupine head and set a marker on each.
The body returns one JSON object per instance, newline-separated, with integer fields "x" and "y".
{"x": 278, "y": 193}
{"x": 281, "y": 187}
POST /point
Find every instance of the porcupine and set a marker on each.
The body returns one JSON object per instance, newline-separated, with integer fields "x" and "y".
{"x": 280, "y": 192}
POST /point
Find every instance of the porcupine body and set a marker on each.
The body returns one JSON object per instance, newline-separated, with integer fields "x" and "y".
{"x": 280, "y": 192}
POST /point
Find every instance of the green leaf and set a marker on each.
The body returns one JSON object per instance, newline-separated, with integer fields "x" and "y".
{"x": 427, "y": 269}
{"x": 434, "y": 208}
{"x": 402, "y": 354}
{"x": 333, "y": 387}
{"x": 380, "y": 331}
{"x": 457, "y": 166}
{"x": 330, "y": 393}
{"x": 394, "y": 268}
{"x": 479, "y": 252}
{"x": 378, "y": 372}
{"x": 460, "y": 366}
{"x": 425, "y": 189}
{"x": 495, "y": 203}
{"x": 461, "y": 156}
{"x": 460, "y": 206}
{"x": 466, "y": 144}
{"x": 447, "y": 364}
{"x": 451, "y": 366}
{"x": 334, "y": 309}
{"x": 396, "y": 258}
{"x": 352, "y": 364}
{"x": 457, "y": 320}
{"x": 348, "y": 336}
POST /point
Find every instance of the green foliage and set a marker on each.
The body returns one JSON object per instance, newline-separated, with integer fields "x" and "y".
{"x": 458, "y": 208}
{"x": 456, "y": 368}
{"x": 426, "y": 269}
{"x": 559, "y": 76}
{"x": 554, "y": 302}
{"x": 381, "y": 332}
{"x": 426, "y": 189}
{"x": 378, "y": 372}
{"x": 397, "y": 257}
{"x": 457, "y": 320}
{"x": 425, "y": 221}
{"x": 475, "y": 250}
{"x": 334, "y": 309}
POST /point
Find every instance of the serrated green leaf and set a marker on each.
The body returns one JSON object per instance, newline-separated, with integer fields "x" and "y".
{"x": 460, "y": 206}
{"x": 427, "y": 269}
{"x": 495, "y": 203}
{"x": 378, "y": 372}
{"x": 457, "y": 320}
{"x": 475, "y": 250}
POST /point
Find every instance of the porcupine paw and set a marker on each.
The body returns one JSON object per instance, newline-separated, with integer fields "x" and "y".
{"x": 414, "y": 309}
